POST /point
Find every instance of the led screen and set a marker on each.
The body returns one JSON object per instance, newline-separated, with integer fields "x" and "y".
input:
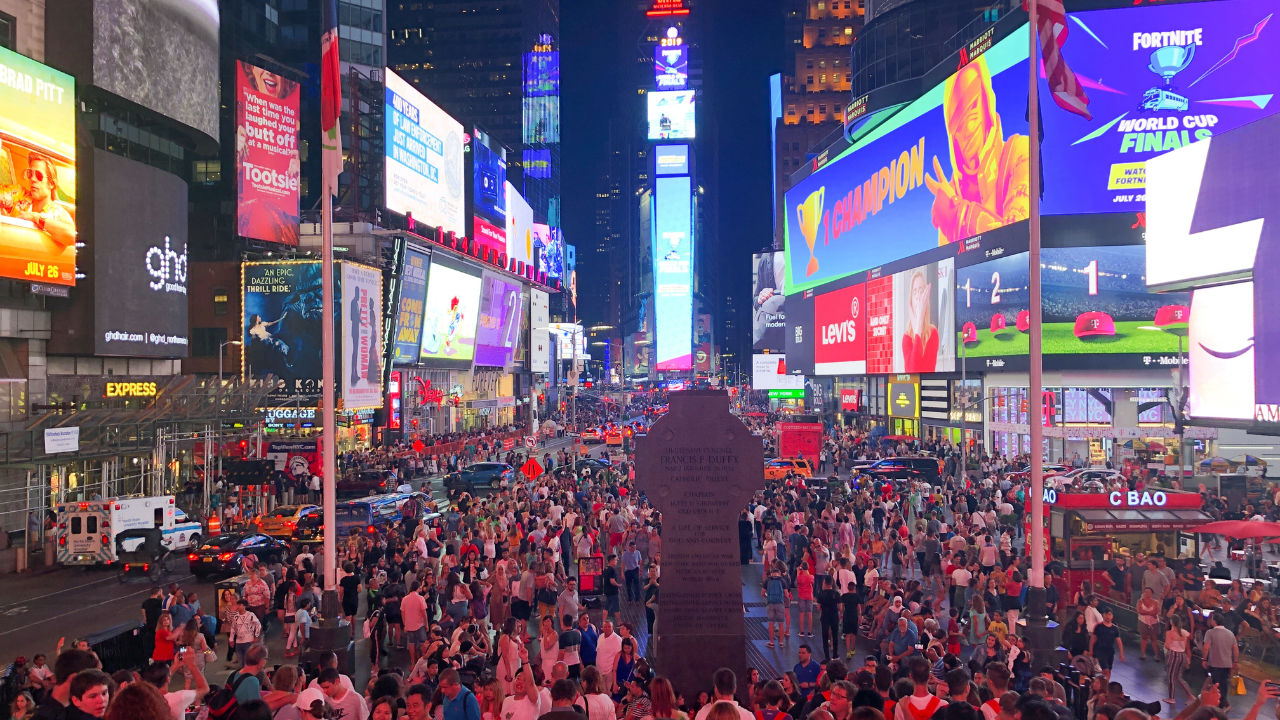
{"x": 519, "y": 226}
{"x": 489, "y": 193}
{"x": 910, "y": 320}
{"x": 424, "y": 171}
{"x": 1221, "y": 350}
{"x": 450, "y": 315}
{"x": 537, "y": 163}
{"x": 801, "y": 336}
{"x": 1158, "y": 78}
{"x": 671, "y": 115}
{"x": 840, "y": 323}
{"x": 282, "y": 317}
{"x": 671, "y": 159}
{"x": 37, "y": 172}
{"x": 498, "y": 331}
{"x": 905, "y": 179}
{"x": 361, "y": 333}
{"x": 161, "y": 54}
{"x": 541, "y": 104}
{"x": 565, "y": 333}
{"x": 769, "y": 317}
{"x": 673, "y": 273}
{"x": 551, "y": 251}
{"x": 267, "y": 167}
{"x": 140, "y": 259}
{"x": 994, "y": 297}
{"x": 413, "y": 296}
{"x": 671, "y": 67}
{"x": 769, "y": 372}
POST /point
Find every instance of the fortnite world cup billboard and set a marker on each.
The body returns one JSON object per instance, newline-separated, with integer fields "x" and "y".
{"x": 948, "y": 166}
{"x": 673, "y": 273}
{"x": 1158, "y": 78}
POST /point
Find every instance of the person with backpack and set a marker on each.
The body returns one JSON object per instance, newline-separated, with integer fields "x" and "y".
{"x": 776, "y": 594}
{"x": 242, "y": 685}
{"x": 459, "y": 702}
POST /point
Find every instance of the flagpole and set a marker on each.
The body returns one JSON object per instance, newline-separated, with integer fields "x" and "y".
{"x": 328, "y": 447}
{"x": 1036, "y": 541}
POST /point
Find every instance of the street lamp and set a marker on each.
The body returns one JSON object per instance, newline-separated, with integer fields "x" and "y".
{"x": 220, "y": 349}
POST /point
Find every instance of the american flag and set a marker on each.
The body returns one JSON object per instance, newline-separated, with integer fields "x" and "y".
{"x": 330, "y": 99}
{"x": 1051, "y": 17}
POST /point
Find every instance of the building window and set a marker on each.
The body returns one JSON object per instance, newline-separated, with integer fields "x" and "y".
{"x": 822, "y": 63}
{"x": 824, "y": 79}
{"x": 8, "y": 31}
{"x": 791, "y": 109}
{"x": 206, "y": 172}
{"x": 220, "y": 301}
{"x": 809, "y": 63}
{"x": 205, "y": 342}
{"x": 822, "y": 32}
{"x": 810, "y": 110}
{"x": 848, "y": 31}
{"x": 795, "y": 146}
{"x": 822, "y": 109}
{"x": 808, "y": 79}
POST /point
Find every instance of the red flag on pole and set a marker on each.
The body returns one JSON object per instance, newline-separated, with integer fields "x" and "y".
{"x": 1052, "y": 21}
{"x": 330, "y": 99}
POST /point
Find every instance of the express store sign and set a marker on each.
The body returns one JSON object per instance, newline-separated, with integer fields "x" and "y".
{"x": 840, "y": 319}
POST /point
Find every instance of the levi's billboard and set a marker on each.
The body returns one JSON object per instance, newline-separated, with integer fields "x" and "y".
{"x": 948, "y": 166}
{"x": 840, "y": 321}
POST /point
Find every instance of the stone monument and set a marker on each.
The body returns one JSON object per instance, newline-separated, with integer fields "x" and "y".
{"x": 699, "y": 466}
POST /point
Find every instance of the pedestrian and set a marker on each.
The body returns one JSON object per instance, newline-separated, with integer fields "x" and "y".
{"x": 245, "y": 630}
{"x": 1220, "y": 656}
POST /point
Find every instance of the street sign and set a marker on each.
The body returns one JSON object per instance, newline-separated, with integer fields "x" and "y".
{"x": 530, "y": 441}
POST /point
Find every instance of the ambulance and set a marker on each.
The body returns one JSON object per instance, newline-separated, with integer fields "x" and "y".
{"x": 86, "y": 533}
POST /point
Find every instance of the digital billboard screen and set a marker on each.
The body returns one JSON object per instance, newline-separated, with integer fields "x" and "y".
{"x": 768, "y": 309}
{"x": 498, "y": 331}
{"x": 37, "y": 171}
{"x": 424, "y": 170}
{"x": 361, "y": 333}
{"x": 673, "y": 273}
{"x": 489, "y": 192}
{"x": 948, "y": 166}
{"x": 994, "y": 297}
{"x": 282, "y": 318}
{"x": 551, "y": 251}
{"x": 519, "y": 226}
{"x": 671, "y": 115}
{"x": 1158, "y": 78}
{"x": 671, "y": 67}
{"x": 140, "y": 259}
{"x": 769, "y": 372}
{"x": 413, "y": 297}
{"x": 671, "y": 159}
{"x": 801, "y": 336}
{"x": 1221, "y": 351}
{"x": 541, "y": 103}
{"x": 840, "y": 323}
{"x": 537, "y": 163}
{"x": 267, "y": 165}
{"x": 450, "y": 315}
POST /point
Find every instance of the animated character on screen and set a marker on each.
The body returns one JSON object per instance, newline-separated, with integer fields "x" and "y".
{"x": 920, "y": 339}
{"x": 37, "y": 203}
{"x": 989, "y": 186}
{"x": 455, "y": 327}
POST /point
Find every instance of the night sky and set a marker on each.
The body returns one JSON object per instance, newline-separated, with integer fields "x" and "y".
{"x": 742, "y": 46}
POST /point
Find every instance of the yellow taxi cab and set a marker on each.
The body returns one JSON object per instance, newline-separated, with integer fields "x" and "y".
{"x": 281, "y": 522}
{"x": 613, "y": 436}
{"x": 777, "y": 468}
{"x": 591, "y": 435}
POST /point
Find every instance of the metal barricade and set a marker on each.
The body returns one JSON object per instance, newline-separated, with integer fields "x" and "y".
{"x": 121, "y": 647}
{"x": 10, "y": 687}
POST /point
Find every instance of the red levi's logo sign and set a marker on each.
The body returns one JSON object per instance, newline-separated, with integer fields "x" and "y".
{"x": 840, "y": 320}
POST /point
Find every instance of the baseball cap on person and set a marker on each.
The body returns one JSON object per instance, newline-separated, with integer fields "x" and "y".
{"x": 997, "y": 322}
{"x": 969, "y": 333}
{"x": 1093, "y": 324}
{"x": 308, "y": 696}
{"x": 1024, "y": 320}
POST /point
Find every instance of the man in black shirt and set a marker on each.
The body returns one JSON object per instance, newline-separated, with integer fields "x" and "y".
{"x": 151, "y": 609}
{"x": 612, "y": 580}
{"x": 563, "y": 695}
{"x": 65, "y": 669}
{"x": 829, "y": 602}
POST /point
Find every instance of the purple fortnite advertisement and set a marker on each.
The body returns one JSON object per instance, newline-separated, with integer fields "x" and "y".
{"x": 498, "y": 333}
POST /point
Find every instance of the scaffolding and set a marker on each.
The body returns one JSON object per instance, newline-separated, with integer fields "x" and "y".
{"x": 159, "y": 446}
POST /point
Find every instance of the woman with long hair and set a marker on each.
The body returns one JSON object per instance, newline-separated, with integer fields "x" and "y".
{"x": 662, "y": 698}
{"x": 491, "y": 695}
{"x": 548, "y": 647}
{"x": 599, "y": 705}
{"x": 191, "y": 640}
{"x": 384, "y": 708}
{"x": 165, "y": 649}
{"x": 626, "y": 668}
{"x": 1075, "y": 636}
{"x": 978, "y": 621}
{"x": 457, "y": 596}
{"x": 1177, "y": 656}
{"x": 138, "y": 701}
{"x": 23, "y": 707}
{"x": 508, "y": 655}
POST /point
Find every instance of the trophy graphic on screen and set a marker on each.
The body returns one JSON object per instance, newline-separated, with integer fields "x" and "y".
{"x": 1167, "y": 62}
{"x": 808, "y": 214}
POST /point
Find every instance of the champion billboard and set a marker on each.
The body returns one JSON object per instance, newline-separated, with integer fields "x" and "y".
{"x": 840, "y": 320}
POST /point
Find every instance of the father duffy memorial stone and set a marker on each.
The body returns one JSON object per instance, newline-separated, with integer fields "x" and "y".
{"x": 699, "y": 466}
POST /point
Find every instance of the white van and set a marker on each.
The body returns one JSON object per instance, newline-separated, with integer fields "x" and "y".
{"x": 87, "y": 530}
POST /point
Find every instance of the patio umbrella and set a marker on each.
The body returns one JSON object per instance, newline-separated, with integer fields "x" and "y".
{"x": 1156, "y": 447}
{"x": 1135, "y": 444}
{"x": 531, "y": 469}
{"x": 1248, "y": 461}
{"x": 1239, "y": 529}
{"x": 1215, "y": 464}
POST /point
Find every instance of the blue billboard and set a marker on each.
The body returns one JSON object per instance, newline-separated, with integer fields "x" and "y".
{"x": 541, "y": 103}
{"x": 673, "y": 272}
{"x": 1158, "y": 78}
{"x": 671, "y": 159}
{"x": 413, "y": 295}
{"x": 671, "y": 67}
{"x": 948, "y": 166}
{"x": 488, "y": 187}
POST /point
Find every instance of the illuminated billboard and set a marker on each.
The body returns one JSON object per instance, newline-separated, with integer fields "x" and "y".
{"x": 361, "y": 333}
{"x": 450, "y": 315}
{"x": 519, "y": 226}
{"x": 498, "y": 331}
{"x": 671, "y": 115}
{"x": 671, "y": 67}
{"x": 282, "y": 316}
{"x": 910, "y": 320}
{"x": 541, "y": 103}
{"x": 413, "y": 296}
{"x": 424, "y": 170}
{"x": 671, "y": 159}
{"x": 37, "y": 172}
{"x": 551, "y": 251}
{"x": 1158, "y": 78}
{"x": 566, "y": 333}
{"x": 537, "y": 163}
{"x": 768, "y": 313}
{"x": 489, "y": 192}
{"x": 840, "y": 323}
{"x": 673, "y": 273}
{"x": 267, "y": 165}
{"x": 769, "y": 372}
{"x": 948, "y": 166}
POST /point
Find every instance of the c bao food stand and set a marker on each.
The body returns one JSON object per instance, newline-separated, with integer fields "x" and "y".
{"x": 1088, "y": 530}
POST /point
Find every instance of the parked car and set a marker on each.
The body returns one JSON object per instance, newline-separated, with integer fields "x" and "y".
{"x": 366, "y": 482}
{"x": 283, "y": 521}
{"x": 226, "y": 553}
{"x": 477, "y": 475}
{"x": 777, "y": 468}
{"x": 923, "y": 469}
